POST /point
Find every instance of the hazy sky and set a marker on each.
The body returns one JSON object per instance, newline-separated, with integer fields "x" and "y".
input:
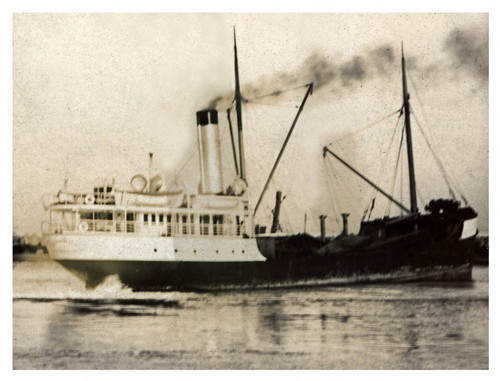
{"x": 94, "y": 93}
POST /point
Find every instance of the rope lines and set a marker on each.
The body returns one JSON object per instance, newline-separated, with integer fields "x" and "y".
{"x": 331, "y": 175}
{"x": 393, "y": 185}
{"x": 371, "y": 201}
{"x": 367, "y": 126}
{"x": 450, "y": 181}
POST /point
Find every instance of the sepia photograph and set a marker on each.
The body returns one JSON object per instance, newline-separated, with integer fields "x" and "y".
{"x": 250, "y": 191}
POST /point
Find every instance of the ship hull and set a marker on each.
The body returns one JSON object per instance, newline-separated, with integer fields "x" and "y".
{"x": 158, "y": 276}
{"x": 405, "y": 261}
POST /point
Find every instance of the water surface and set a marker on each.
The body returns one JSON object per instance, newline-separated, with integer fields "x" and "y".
{"x": 58, "y": 324}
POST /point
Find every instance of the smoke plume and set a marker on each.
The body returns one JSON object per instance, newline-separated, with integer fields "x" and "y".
{"x": 469, "y": 49}
{"x": 324, "y": 71}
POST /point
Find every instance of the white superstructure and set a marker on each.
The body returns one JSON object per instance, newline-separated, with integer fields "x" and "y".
{"x": 155, "y": 225}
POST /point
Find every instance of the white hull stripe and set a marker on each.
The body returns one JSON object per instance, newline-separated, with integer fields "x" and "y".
{"x": 469, "y": 229}
{"x": 119, "y": 248}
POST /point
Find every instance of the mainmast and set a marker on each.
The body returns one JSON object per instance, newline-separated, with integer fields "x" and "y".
{"x": 411, "y": 168}
{"x": 238, "y": 112}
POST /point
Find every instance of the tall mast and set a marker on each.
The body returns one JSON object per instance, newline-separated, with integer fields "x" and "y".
{"x": 232, "y": 141}
{"x": 238, "y": 111}
{"x": 406, "y": 107}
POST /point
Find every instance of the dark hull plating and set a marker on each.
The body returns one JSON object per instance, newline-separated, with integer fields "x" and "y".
{"x": 406, "y": 259}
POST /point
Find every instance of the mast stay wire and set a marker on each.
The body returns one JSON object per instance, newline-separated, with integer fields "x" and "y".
{"x": 193, "y": 153}
{"x": 366, "y": 127}
{"x": 447, "y": 176}
{"x": 374, "y": 193}
{"x": 330, "y": 175}
{"x": 285, "y": 217}
{"x": 335, "y": 177}
{"x": 290, "y": 155}
{"x": 258, "y": 146}
{"x": 449, "y": 181}
{"x": 389, "y": 204}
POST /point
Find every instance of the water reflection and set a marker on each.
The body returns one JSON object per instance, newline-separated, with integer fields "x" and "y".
{"x": 370, "y": 327}
{"x": 271, "y": 321}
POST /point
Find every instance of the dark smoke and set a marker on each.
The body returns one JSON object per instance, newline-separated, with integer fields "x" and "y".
{"x": 320, "y": 69}
{"x": 469, "y": 49}
{"x": 383, "y": 57}
{"x": 355, "y": 70}
{"x": 213, "y": 103}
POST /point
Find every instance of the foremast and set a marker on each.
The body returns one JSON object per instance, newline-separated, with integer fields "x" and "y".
{"x": 237, "y": 99}
{"x": 409, "y": 146}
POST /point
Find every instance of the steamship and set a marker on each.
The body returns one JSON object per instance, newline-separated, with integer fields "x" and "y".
{"x": 154, "y": 238}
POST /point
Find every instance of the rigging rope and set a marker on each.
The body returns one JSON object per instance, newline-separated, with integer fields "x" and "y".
{"x": 176, "y": 176}
{"x": 448, "y": 176}
{"x": 447, "y": 179}
{"x": 331, "y": 194}
{"x": 389, "y": 203}
{"x": 258, "y": 147}
{"x": 366, "y": 127}
{"x": 371, "y": 200}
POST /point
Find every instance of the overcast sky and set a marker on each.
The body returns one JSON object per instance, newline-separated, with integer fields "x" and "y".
{"x": 93, "y": 94}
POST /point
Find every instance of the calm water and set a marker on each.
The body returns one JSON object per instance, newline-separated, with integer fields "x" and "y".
{"x": 58, "y": 324}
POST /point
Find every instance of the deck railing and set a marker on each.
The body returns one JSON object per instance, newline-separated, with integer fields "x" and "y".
{"x": 189, "y": 224}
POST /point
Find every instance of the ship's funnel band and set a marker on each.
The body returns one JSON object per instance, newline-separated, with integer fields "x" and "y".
{"x": 205, "y": 117}
{"x": 209, "y": 150}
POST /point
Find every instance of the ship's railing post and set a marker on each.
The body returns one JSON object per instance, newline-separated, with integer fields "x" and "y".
{"x": 233, "y": 232}
{"x": 247, "y": 227}
{"x": 173, "y": 226}
{"x": 77, "y": 219}
{"x": 197, "y": 224}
